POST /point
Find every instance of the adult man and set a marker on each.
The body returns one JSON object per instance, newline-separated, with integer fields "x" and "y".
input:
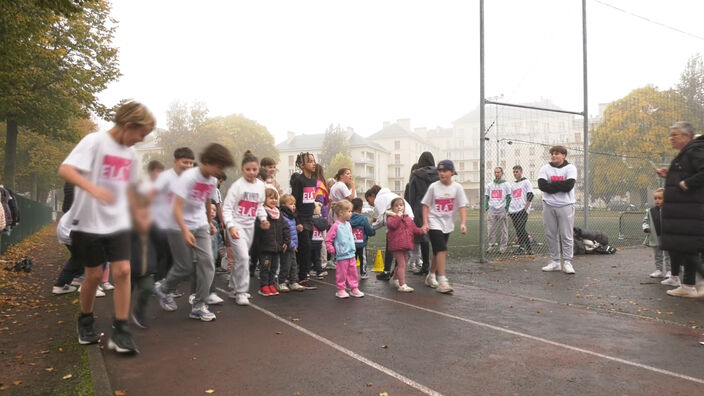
{"x": 682, "y": 219}
{"x": 556, "y": 180}
{"x": 521, "y": 197}
{"x": 498, "y": 199}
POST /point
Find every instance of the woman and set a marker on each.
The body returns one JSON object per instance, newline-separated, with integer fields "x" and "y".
{"x": 425, "y": 174}
{"x": 683, "y": 212}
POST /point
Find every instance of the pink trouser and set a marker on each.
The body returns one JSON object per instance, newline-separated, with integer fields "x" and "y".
{"x": 346, "y": 272}
{"x": 400, "y": 272}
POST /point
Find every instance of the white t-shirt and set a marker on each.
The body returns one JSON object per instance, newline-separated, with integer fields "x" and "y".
{"x": 382, "y": 203}
{"x": 339, "y": 191}
{"x": 63, "y": 229}
{"x": 244, "y": 202}
{"x": 519, "y": 195}
{"x": 443, "y": 202}
{"x": 163, "y": 204}
{"x": 497, "y": 193}
{"x": 196, "y": 190}
{"x": 110, "y": 165}
{"x": 550, "y": 174}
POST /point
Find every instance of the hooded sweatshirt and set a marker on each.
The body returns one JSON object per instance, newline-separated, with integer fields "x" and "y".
{"x": 361, "y": 229}
{"x": 498, "y": 196}
{"x": 421, "y": 179}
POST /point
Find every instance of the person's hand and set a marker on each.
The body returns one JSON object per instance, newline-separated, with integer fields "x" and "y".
{"x": 265, "y": 225}
{"x": 295, "y": 250}
{"x": 285, "y": 247}
{"x": 190, "y": 239}
{"x": 213, "y": 230}
{"x": 683, "y": 186}
{"x": 299, "y": 227}
{"x": 647, "y": 230}
{"x": 662, "y": 172}
{"x": 234, "y": 233}
{"x": 463, "y": 228}
{"x": 103, "y": 195}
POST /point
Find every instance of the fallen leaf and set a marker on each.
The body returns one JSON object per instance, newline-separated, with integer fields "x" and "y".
{"x": 210, "y": 391}
{"x": 67, "y": 376}
{"x": 60, "y": 322}
{"x": 15, "y": 383}
{"x": 49, "y": 369}
{"x": 384, "y": 347}
{"x": 44, "y": 352}
{"x": 369, "y": 384}
{"x": 295, "y": 319}
{"x": 120, "y": 392}
{"x": 383, "y": 394}
{"x": 278, "y": 333}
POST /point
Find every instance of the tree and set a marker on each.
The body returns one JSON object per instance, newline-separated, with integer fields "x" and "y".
{"x": 55, "y": 57}
{"x": 691, "y": 87}
{"x": 334, "y": 142}
{"x": 182, "y": 122}
{"x": 339, "y": 161}
{"x": 631, "y": 140}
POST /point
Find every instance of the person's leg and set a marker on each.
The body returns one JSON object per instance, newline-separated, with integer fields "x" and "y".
{"x": 341, "y": 276}
{"x": 204, "y": 267}
{"x": 239, "y": 279}
{"x": 285, "y": 266}
{"x": 400, "y": 267}
{"x": 550, "y": 223}
{"x": 658, "y": 258}
{"x": 316, "y": 259}
{"x": 121, "y": 295}
{"x": 691, "y": 266}
{"x": 70, "y": 270}
{"x": 182, "y": 267}
{"x": 163, "y": 253}
{"x": 425, "y": 254}
{"x": 566, "y": 230}
{"x": 303, "y": 256}
{"x": 106, "y": 274}
{"x": 503, "y": 228}
{"x": 351, "y": 269}
{"x": 265, "y": 261}
{"x": 491, "y": 227}
{"x": 359, "y": 255}
{"x": 88, "y": 288}
{"x": 440, "y": 263}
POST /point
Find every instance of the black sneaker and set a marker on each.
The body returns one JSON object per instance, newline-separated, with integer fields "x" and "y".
{"x": 307, "y": 284}
{"x": 384, "y": 276}
{"x": 121, "y": 339}
{"x": 86, "y": 330}
{"x": 138, "y": 317}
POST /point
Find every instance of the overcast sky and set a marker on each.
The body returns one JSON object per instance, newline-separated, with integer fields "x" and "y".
{"x": 301, "y": 65}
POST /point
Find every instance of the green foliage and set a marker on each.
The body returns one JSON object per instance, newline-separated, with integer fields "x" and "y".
{"x": 340, "y": 160}
{"x": 334, "y": 142}
{"x": 632, "y": 140}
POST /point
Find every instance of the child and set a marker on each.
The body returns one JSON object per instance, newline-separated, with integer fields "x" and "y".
{"x": 104, "y": 167}
{"x": 288, "y": 275}
{"x": 443, "y": 198}
{"x": 244, "y": 203}
{"x": 190, "y": 243}
{"x": 143, "y": 260}
{"x": 320, "y": 225}
{"x": 362, "y": 230}
{"x": 651, "y": 222}
{"x": 341, "y": 242}
{"x": 401, "y": 230}
{"x": 268, "y": 165}
{"x": 271, "y": 243}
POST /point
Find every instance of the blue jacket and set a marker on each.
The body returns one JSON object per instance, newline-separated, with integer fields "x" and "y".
{"x": 291, "y": 220}
{"x": 360, "y": 222}
{"x": 340, "y": 241}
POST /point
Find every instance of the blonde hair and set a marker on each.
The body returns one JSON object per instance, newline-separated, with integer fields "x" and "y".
{"x": 270, "y": 192}
{"x": 318, "y": 208}
{"x": 135, "y": 113}
{"x": 339, "y": 206}
{"x": 286, "y": 198}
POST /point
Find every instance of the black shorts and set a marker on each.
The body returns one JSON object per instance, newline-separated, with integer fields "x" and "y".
{"x": 438, "y": 240}
{"x": 92, "y": 250}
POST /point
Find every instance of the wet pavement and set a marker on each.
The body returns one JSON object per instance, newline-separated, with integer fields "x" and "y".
{"x": 507, "y": 329}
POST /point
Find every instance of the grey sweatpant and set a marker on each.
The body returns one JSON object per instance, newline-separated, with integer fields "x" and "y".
{"x": 498, "y": 223}
{"x": 662, "y": 259}
{"x": 559, "y": 229}
{"x": 188, "y": 260}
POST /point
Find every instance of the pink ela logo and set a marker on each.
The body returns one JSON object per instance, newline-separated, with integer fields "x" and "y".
{"x": 444, "y": 205}
{"x": 518, "y": 193}
{"x": 115, "y": 168}
{"x": 201, "y": 191}
{"x": 358, "y": 235}
{"x": 317, "y": 235}
{"x": 497, "y": 194}
{"x": 308, "y": 194}
{"x": 247, "y": 208}
{"x": 557, "y": 178}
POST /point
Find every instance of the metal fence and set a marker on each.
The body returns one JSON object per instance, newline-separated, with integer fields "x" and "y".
{"x": 33, "y": 216}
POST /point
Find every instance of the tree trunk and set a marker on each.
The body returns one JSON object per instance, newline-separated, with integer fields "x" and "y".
{"x": 34, "y": 187}
{"x": 10, "y": 154}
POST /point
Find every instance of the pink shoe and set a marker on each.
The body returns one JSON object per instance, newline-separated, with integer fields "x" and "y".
{"x": 356, "y": 293}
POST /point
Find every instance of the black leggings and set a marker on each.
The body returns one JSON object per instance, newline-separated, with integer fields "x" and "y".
{"x": 692, "y": 264}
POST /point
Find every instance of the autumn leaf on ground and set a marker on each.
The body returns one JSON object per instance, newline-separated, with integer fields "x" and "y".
{"x": 15, "y": 383}
{"x": 120, "y": 392}
{"x": 67, "y": 376}
{"x": 210, "y": 391}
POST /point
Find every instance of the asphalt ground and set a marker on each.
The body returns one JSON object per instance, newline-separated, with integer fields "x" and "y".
{"x": 507, "y": 329}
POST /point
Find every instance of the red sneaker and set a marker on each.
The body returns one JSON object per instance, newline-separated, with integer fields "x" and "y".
{"x": 273, "y": 291}
{"x": 264, "y": 291}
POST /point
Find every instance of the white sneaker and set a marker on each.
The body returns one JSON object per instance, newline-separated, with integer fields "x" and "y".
{"x": 443, "y": 286}
{"x": 553, "y": 266}
{"x": 431, "y": 281}
{"x": 213, "y": 299}
{"x": 63, "y": 289}
{"x": 405, "y": 288}
{"x": 682, "y": 291}
{"x": 657, "y": 274}
{"x": 356, "y": 293}
{"x": 341, "y": 294}
{"x": 191, "y": 298}
{"x": 671, "y": 281}
{"x": 394, "y": 283}
{"x": 107, "y": 286}
{"x": 241, "y": 299}
{"x": 567, "y": 268}
{"x": 202, "y": 313}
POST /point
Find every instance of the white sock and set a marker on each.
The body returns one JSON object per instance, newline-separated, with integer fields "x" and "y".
{"x": 442, "y": 278}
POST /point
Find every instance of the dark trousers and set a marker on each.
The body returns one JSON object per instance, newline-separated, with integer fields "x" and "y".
{"x": 303, "y": 255}
{"x": 316, "y": 256}
{"x": 519, "y": 220}
{"x": 388, "y": 258}
{"x": 164, "y": 260}
{"x": 70, "y": 270}
{"x": 692, "y": 264}
{"x": 143, "y": 288}
{"x": 425, "y": 254}
{"x": 268, "y": 266}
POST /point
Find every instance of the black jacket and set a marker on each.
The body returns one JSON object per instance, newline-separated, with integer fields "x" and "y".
{"x": 683, "y": 213}
{"x": 421, "y": 179}
{"x": 273, "y": 239}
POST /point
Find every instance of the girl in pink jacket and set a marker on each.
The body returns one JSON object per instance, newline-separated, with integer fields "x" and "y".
{"x": 400, "y": 230}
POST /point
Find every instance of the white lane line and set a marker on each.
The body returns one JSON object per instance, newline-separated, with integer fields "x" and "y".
{"x": 539, "y": 339}
{"x": 351, "y": 354}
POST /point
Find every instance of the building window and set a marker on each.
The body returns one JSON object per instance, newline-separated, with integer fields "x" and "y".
{"x": 461, "y": 165}
{"x": 397, "y": 172}
{"x": 397, "y": 185}
{"x": 475, "y": 165}
{"x": 291, "y": 160}
{"x": 397, "y": 158}
{"x": 397, "y": 145}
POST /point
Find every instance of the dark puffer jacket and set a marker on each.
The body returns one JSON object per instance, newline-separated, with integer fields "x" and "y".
{"x": 683, "y": 212}
{"x": 421, "y": 179}
{"x": 272, "y": 239}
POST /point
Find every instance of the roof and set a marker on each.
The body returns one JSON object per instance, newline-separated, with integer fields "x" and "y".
{"x": 315, "y": 142}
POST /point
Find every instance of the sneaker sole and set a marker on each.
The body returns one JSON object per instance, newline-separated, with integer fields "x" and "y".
{"x": 114, "y": 347}
{"x": 86, "y": 342}
{"x": 135, "y": 321}
{"x": 341, "y": 297}
{"x": 202, "y": 318}
{"x": 167, "y": 308}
